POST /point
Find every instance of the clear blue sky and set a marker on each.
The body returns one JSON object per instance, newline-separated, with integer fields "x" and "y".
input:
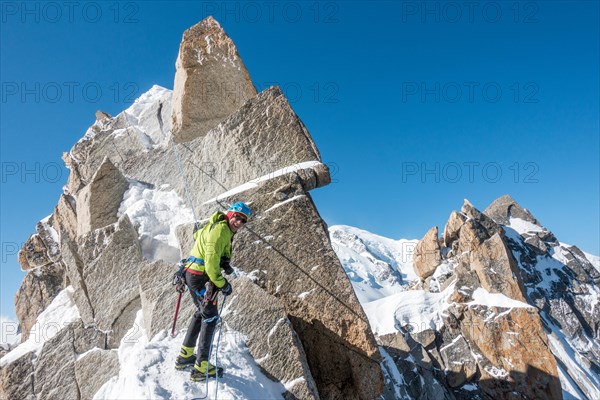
{"x": 414, "y": 105}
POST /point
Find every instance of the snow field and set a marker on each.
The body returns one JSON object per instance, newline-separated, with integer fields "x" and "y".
{"x": 147, "y": 370}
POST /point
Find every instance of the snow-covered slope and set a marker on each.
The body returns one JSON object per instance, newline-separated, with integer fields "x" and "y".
{"x": 377, "y": 266}
{"x": 147, "y": 370}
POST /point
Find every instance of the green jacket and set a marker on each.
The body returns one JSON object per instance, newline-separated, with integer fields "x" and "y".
{"x": 212, "y": 242}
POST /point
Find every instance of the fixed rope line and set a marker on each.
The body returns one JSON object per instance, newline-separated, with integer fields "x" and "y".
{"x": 220, "y": 327}
{"x": 288, "y": 259}
{"x": 295, "y": 265}
{"x": 179, "y": 163}
{"x": 185, "y": 183}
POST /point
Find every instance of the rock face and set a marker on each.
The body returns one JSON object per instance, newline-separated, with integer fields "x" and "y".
{"x": 17, "y": 379}
{"x": 98, "y": 202}
{"x": 280, "y": 349}
{"x": 94, "y": 369}
{"x": 492, "y": 342}
{"x": 158, "y": 299}
{"x": 320, "y": 344}
{"x": 52, "y": 373}
{"x": 35, "y": 294}
{"x": 211, "y": 81}
{"x": 497, "y": 269}
{"x": 40, "y": 257}
{"x": 452, "y": 228}
{"x": 505, "y": 207}
{"x": 427, "y": 254}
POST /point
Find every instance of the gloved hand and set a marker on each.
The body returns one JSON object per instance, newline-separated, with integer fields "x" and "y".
{"x": 227, "y": 289}
{"x": 226, "y": 266}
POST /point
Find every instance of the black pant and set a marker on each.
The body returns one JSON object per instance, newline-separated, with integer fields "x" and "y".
{"x": 204, "y": 321}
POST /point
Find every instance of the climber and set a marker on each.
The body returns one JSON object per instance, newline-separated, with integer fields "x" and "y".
{"x": 210, "y": 254}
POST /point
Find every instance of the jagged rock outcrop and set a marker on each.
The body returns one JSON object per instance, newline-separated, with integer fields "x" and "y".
{"x": 514, "y": 350}
{"x": 560, "y": 281}
{"x": 100, "y": 115}
{"x": 497, "y": 269}
{"x": 110, "y": 259}
{"x": 34, "y": 253}
{"x": 93, "y": 369}
{"x": 50, "y": 372}
{"x": 452, "y": 228}
{"x": 36, "y": 292}
{"x": 505, "y": 207}
{"x": 98, "y": 202}
{"x": 427, "y": 255}
{"x": 64, "y": 218}
{"x": 40, "y": 257}
{"x": 16, "y": 379}
{"x": 211, "y": 81}
{"x": 491, "y": 343}
{"x": 41, "y": 248}
{"x": 321, "y": 344}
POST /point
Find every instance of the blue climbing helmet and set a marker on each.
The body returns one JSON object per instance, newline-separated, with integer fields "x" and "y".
{"x": 241, "y": 208}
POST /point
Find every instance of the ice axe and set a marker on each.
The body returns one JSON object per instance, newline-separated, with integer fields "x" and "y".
{"x": 175, "y": 316}
{"x": 179, "y": 282}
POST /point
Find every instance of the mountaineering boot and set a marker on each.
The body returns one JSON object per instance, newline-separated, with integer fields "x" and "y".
{"x": 199, "y": 372}
{"x": 186, "y": 358}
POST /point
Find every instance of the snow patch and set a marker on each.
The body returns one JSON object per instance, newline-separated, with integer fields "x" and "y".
{"x": 156, "y": 213}
{"x": 522, "y": 226}
{"x": 290, "y": 384}
{"x": 304, "y": 295}
{"x": 469, "y": 387}
{"x": 59, "y": 314}
{"x": 284, "y": 202}
{"x": 484, "y": 298}
{"x": 498, "y": 373}
{"x": 255, "y": 182}
{"x": 413, "y": 310}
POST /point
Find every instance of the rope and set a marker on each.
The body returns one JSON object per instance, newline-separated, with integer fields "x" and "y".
{"x": 294, "y": 264}
{"x": 220, "y": 323}
{"x": 179, "y": 163}
{"x": 217, "y": 349}
{"x": 185, "y": 183}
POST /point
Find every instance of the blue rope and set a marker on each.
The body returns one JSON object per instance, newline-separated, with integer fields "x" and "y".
{"x": 220, "y": 322}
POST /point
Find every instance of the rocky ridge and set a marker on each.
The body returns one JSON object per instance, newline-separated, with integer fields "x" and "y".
{"x": 504, "y": 309}
{"x": 98, "y": 251}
